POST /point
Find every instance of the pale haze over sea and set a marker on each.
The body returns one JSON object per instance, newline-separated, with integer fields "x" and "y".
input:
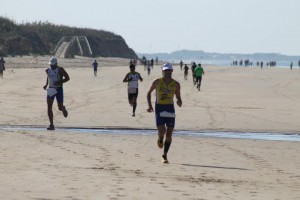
{"x": 156, "y": 26}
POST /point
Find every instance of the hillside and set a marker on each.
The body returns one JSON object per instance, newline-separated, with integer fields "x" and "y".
{"x": 41, "y": 38}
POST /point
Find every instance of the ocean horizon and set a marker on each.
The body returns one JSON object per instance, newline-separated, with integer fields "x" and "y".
{"x": 280, "y": 63}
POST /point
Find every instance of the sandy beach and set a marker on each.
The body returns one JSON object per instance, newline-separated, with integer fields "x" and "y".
{"x": 59, "y": 164}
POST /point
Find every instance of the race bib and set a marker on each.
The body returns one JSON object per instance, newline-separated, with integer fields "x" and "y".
{"x": 167, "y": 114}
{"x": 51, "y": 92}
{"x": 131, "y": 90}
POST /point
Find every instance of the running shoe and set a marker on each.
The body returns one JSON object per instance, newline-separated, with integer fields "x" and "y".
{"x": 160, "y": 142}
{"x": 51, "y": 127}
{"x": 65, "y": 112}
{"x": 164, "y": 159}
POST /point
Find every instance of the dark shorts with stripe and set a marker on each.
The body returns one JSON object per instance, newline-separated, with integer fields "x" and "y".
{"x": 133, "y": 95}
{"x": 166, "y": 121}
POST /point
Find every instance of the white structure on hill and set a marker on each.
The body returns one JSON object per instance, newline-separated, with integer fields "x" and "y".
{"x": 69, "y": 46}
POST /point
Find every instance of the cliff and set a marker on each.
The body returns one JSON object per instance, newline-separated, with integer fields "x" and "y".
{"x": 41, "y": 38}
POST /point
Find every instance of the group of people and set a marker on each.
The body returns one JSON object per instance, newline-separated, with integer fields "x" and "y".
{"x": 197, "y": 73}
{"x": 165, "y": 87}
{"x": 291, "y": 65}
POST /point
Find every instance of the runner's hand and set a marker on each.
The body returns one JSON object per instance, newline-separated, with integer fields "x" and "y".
{"x": 179, "y": 102}
{"x": 150, "y": 109}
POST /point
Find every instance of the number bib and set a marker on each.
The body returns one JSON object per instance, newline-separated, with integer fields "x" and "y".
{"x": 51, "y": 92}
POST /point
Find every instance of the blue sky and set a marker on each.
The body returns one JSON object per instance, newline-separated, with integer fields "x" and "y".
{"x": 164, "y": 26}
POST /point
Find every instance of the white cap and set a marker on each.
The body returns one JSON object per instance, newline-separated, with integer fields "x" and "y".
{"x": 167, "y": 66}
{"x": 53, "y": 61}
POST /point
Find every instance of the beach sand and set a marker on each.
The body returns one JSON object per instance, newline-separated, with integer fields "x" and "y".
{"x": 66, "y": 165}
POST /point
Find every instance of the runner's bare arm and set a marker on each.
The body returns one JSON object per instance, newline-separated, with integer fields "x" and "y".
{"x": 126, "y": 78}
{"x": 65, "y": 75}
{"x": 177, "y": 94}
{"x": 141, "y": 79}
{"x": 153, "y": 87}
{"x": 45, "y": 86}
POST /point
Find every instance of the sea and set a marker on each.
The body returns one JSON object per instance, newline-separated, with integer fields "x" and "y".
{"x": 279, "y": 64}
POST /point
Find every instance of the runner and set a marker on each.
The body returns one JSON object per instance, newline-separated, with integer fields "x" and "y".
{"x": 198, "y": 75}
{"x": 95, "y": 65}
{"x": 193, "y": 74}
{"x": 186, "y": 71}
{"x": 166, "y": 87}
{"x": 152, "y": 63}
{"x": 132, "y": 78}
{"x": 149, "y": 69}
{"x": 56, "y": 76}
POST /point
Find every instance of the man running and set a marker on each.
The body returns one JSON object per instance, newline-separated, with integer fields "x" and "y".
{"x": 95, "y": 65}
{"x": 56, "y": 76}
{"x": 198, "y": 75}
{"x": 193, "y": 74}
{"x": 166, "y": 87}
{"x": 132, "y": 78}
{"x": 186, "y": 71}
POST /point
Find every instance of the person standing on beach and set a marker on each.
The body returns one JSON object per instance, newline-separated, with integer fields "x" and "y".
{"x": 152, "y": 63}
{"x": 56, "y": 76}
{"x": 2, "y": 67}
{"x": 95, "y": 65}
{"x": 166, "y": 87}
{"x": 132, "y": 79}
{"x": 181, "y": 65}
{"x": 291, "y": 65}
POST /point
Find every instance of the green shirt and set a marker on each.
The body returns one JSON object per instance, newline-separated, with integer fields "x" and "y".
{"x": 199, "y": 71}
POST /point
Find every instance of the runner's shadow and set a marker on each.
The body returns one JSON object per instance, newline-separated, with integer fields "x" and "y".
{"x": 215, "y": 167}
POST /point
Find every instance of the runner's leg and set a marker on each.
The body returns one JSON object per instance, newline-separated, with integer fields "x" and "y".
{"x": 168, "y": 140}
{"x": 134, "y": 104}
{"x": 50, "y": 112}
{"x": 161, "y": 133}
{"x": 62, "y": 108}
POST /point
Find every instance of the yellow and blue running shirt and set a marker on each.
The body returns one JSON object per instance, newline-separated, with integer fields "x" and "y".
{"x": 165, "y": 93}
